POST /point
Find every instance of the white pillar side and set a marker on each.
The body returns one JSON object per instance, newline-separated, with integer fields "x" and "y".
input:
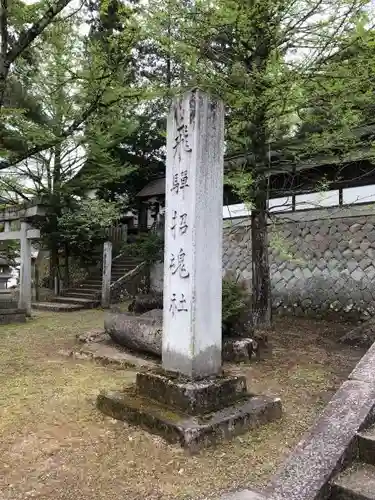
{"x": 25, "y": 271}
{"x": 193, "y": 236}
{"x": 106, "y": 282}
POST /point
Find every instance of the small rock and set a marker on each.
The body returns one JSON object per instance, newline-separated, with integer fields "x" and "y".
{"x": 238, "y": 350}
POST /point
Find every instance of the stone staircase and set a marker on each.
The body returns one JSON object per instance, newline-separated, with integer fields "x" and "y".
{"x": 87, "y": 294}
{"x": 357, "y": 481}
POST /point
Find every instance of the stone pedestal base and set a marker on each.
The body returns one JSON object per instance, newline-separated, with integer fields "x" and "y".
{"x": 9, "y": 311}
{"x": 194, "y": 414}
{"x": 8, "y": 316}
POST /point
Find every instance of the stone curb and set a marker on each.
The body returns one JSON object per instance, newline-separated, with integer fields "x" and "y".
{"x": 330, "y": 443}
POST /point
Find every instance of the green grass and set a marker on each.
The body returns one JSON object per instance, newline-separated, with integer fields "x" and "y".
{"x": 54, "y": 444}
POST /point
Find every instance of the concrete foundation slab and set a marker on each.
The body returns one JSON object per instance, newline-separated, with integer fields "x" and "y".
{"x": 192, "y": 433}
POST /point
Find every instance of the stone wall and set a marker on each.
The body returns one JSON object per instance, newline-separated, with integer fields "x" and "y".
{"x": 322, "y": 261}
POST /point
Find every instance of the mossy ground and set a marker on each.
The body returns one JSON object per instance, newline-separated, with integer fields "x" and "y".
{"x": 55, "y": 444}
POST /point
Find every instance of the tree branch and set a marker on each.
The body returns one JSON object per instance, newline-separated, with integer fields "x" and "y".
{"x": 27, "y": 37}
{"x": 64, "y": 134}
{"x": 13, "y": 189}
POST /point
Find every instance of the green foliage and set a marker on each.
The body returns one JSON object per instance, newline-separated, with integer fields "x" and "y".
{"x": 148, "y": 247}
{"x": 235, "y": 302}
{"x": 241, "y": 181}
{"x": 10, "y": 249}
{"x": 84, "y": 226}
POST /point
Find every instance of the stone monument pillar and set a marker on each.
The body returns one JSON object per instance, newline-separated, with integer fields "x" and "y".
{"x": 106, "y": 278}
{"x": 24, "y": 301}
{"x": 193, "y": 237}
{"x": 189, "y": 400}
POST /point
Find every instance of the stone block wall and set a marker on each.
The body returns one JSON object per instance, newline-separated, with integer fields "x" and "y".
{"x": 322, "y": 262}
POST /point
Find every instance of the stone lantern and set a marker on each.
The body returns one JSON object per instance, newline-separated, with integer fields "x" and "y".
{"x": 5, "y": 273}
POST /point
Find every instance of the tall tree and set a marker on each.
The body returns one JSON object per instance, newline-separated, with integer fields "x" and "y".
{"x": 74, "y": 94}
{"x": 261, "y": 57}
{"x": 17, "y": 35}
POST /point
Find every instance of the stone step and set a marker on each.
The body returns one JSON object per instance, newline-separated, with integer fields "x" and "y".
{"x": 93, "y": 290}
{"x": 355, "y": 483}
{"x": 97, "y": 284}
{"x": 92, "y": 282}
{"x": 90, "y": 286}
{"x": 56, "y": 306}
{"x": 127, "y": 260}
{"x": 121, "y": 272}
{"x": 114, "y": 274}
{"x": 118, "y": 265}
{"x": 123, "y": 269}
{"x": 92, "y": 294}
{"x": 366, "y": 445}
{"x": 83, "y": 302}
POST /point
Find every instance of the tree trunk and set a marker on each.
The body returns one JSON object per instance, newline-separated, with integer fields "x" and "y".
{"x": 56, "y": 212}
{"x": 66, "y": 267}
{"x": 261, "y": 286}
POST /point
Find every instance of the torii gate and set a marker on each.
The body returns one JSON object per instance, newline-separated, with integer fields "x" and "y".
{"x": 25, "y": 215}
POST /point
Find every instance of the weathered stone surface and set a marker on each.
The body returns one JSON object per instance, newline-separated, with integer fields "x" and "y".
{"x": 7, "y": 303}
{"x": 243, "y": 495}
{"x": 358, "y": 274}
{"x": 146, "y": 302}
{"x": 351, "y": 265}
{"x": 143, "y": 334}
{"x": 365, "y": 369}
{"x": 105, "y": 352}
{"x": 192, "y": 433}
{"x": 357, "y": 483}
{"x": 154, "y": 313}
{"x": 307, "y": 239}
{"x": 8, "y": 316}
{"x": 239, "y": 350}
{"x": 316, "y": 458}
{"x": 191, "y": 397}
{"x": 192, "y": 279}
{"x": 366, "y": 445}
